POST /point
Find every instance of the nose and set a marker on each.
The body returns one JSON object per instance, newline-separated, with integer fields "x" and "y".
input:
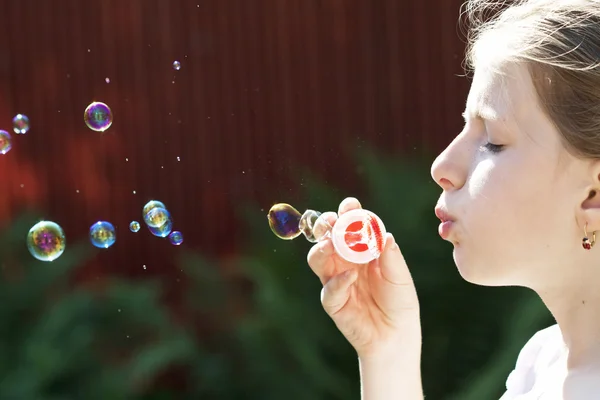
{"x": 450, "y": 168}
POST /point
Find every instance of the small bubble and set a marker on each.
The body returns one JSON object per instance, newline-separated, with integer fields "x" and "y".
{"x": 144, "y": 266}
{"x": 157, "y": 217}
{"x": 77, "y": 191}
{"x": 127, "y": 160}
{"x": 20, "y": 124}
{"x": 134, "y": 226}
{"x": 152, "y": 204}
{"x": 119, "y": 310}
{"x": 176, "y": 238}
{"x": 98, "y": 116}
{"x": 163, "y": 230}
{"x": 176, "y": 65}
{"x": 22, "y": 186}
{"x": 46, "y": 241}
{"x": 134, "y": 192}
{"x": 107, "y": 80}
{"x": 89, "y": 51}
{"x": 178, "y": 159}
{"x": 5, "y": 142}
{"x": 102, "y": 234}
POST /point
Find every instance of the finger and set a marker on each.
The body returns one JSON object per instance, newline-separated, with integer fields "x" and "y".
{"x": 395, "y": 291}
{"x": 349, "y": 203}
{"x": 336, "y": 292}
{"x": 318, "y": 257}
{"x": 393, "y": 266}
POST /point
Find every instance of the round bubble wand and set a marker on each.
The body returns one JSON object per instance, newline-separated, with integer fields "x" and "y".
{"x": 358, "y": 236}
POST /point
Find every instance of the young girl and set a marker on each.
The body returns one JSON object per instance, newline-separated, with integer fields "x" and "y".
{"x": 520, "y": 203}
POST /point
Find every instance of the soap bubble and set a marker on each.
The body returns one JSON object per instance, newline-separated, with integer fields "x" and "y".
{"x": 20, "y": 124}
{"x": 98, "y": 117}
{"x": 176, "y": 238}
{"x": 5, "y": 142}
{"x": 46, "y": 241}
{"x": 176, "y": 65}
{"x": 157, "y": 217}
{"x": 102, "y": 234}
{"x": 134, "y": 226}
{"x": 152, "y": 204}
{"x": 163, "y": 230}
{"x": 284, "y": 221}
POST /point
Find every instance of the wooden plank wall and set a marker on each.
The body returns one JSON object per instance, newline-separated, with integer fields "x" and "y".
{"x": 265, "y": 86}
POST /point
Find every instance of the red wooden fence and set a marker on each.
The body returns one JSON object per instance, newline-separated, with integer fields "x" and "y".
{"x": 265, "y": 85}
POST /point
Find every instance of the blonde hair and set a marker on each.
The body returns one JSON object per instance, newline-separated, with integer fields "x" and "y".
{"x": 559, "y": 41}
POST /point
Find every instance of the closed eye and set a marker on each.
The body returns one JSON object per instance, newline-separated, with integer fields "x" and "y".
{"x": 492, "y": 148}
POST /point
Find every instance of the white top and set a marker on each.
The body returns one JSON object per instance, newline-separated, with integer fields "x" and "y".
{"x": 541, "y": 368}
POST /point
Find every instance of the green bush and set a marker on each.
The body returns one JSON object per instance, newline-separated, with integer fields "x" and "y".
{"x": 59, "y": 342}
{"x": 256, "y": 328}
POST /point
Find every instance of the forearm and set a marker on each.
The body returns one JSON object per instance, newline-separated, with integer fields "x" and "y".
{"x": 391, "y": 376}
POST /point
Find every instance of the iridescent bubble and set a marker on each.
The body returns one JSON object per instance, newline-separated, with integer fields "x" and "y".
{"x": 284, "y": 221}
{"x": 46, "y": 241}
{"x": 176, "y": 65}
{"x": 134, "y": 226}
{"x": 176, "y": 238}
{"x": 20, "y": 124}
{"x": 157, "y": 217}
{"x": 312, "y": 226}
{"x": 152, "y": 204}
{"x": 102, "y": 234}
{"x": 5, "y": 142}
{"x": 162, "y": 231}
{"x": 98, "y": 117}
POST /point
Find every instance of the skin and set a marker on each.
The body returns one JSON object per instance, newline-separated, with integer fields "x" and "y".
{"x": 520, "y": 213}
{"x": 519, "y": 217}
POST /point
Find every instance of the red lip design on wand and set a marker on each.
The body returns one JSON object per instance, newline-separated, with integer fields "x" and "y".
{"x": 447, "y": 222}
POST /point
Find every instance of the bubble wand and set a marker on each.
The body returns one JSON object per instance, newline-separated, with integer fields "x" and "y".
{"x": 358, "y": 236}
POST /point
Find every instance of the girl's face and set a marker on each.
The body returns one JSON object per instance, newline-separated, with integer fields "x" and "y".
{"x": 517, "y": 197}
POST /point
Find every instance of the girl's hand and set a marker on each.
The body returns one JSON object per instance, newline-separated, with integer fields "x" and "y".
{"x": 374, "y": 305}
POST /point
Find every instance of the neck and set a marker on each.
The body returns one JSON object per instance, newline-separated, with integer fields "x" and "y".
{"x": 575, "y": 304}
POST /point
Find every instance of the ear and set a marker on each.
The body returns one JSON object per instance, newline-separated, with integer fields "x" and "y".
{"x": 590, "y": 207}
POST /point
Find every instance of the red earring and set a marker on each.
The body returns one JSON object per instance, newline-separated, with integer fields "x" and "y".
{"x": 586, "y": 243}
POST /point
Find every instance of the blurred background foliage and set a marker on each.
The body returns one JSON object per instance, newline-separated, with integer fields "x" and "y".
{"x": 251, "y": 326}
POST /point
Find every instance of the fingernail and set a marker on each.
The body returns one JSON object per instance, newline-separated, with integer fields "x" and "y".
{"x": 391, "y": 241}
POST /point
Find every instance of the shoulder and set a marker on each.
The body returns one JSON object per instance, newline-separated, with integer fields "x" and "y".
{"x": 539, "y": 341}
{"x": 523, "y": 377}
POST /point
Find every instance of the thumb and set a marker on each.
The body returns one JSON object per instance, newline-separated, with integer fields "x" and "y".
{"x": 336, "y": 292}
{"x": 392, "y": 264}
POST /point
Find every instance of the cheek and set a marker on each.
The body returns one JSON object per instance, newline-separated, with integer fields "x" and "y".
{"x": 507, "y": 210}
